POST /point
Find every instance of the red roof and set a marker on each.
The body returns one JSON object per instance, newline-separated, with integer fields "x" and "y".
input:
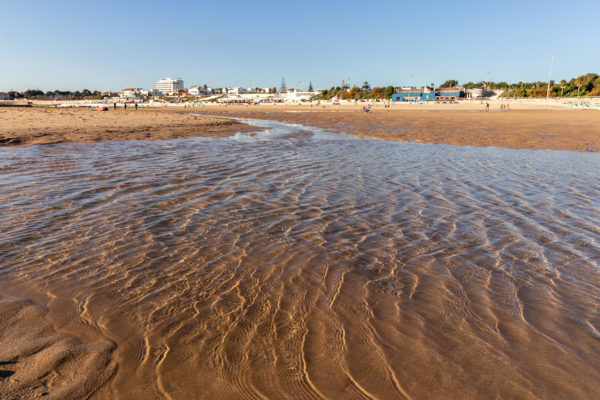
{"x": 129, "y": 89}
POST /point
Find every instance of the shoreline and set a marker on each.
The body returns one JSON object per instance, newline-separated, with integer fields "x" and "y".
{"x": 523, "y": 129}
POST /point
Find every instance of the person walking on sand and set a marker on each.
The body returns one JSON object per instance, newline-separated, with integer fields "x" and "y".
{"x": 487, "y": 106}
{"x": 125, "y": 106}
{"x": 115, "y": 106}
{"x": 135, "y": 106}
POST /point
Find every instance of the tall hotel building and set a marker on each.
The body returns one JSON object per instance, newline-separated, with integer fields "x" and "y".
{"x": 169, "y": 85}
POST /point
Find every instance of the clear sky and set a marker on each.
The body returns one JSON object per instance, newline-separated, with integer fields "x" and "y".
{"x": 110, "y": 45}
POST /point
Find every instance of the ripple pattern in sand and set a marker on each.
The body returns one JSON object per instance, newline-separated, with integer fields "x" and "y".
{"x": 295, "y": 266}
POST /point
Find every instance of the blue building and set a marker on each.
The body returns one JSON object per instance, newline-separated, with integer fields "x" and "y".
{"x": 451, "y": 93}
{"x": 414, "y": 94}
{"x": 428, "y": 94}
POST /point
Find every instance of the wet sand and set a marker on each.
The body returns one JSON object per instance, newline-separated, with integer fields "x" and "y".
{"x": 577, "y": 130}
{"x": 40, "y": 358}
{"x": 293, "y": 264}
{"x": 30, "y": 126}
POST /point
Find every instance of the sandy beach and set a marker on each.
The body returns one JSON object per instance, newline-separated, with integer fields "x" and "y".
{"x": 29, "y": 126}
{"x": 577, "y": 130}
{"x": 563, "y": 129}
{"x": 296, "y": 263}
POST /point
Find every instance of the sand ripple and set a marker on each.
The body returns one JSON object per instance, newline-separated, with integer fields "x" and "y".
{"x": 294, "y": 265}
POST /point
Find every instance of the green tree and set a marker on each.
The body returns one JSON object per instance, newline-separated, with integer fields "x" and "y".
{"x": 366, "y": 86}
{"x": 310, "y": 87}
{"x": 563, "y": 84}
{"x": 282, "y": 88}
{"x": 449, "y": 83}
{"x": 579, "y": 84}
{"x": 32, "y": 93}
{"x": 388, "y": 92}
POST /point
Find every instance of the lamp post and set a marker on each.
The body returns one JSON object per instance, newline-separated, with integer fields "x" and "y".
{"x": 550, "y": 77}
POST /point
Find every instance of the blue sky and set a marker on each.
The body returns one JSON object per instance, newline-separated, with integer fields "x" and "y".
{"x": 109, "y": 45}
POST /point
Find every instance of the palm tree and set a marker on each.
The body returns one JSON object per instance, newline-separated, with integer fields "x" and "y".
{"x": 563, "y": 84}
{"x": 579, "y": 84}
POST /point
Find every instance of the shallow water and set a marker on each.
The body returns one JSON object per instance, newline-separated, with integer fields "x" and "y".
{"x": 301, "y": 264}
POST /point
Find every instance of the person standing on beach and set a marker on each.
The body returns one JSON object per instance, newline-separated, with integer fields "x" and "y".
{"x": 114, "y": 106}
{"x": 487, "y": 106}
{"x": 125, "y": 105}
{"x": 135, "y": 106}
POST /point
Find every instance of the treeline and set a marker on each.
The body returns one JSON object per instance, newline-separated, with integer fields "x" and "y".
{"x": 582, "y": 86}
{"x": 357, "y": 93}
{"x": 56, "y": 94}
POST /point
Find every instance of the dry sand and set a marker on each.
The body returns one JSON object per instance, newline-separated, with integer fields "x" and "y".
{"x": 525, "y": 129}
{"x": 30, "y": 126}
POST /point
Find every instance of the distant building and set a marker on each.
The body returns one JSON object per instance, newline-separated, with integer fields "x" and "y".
{"x": 451, "y": 93}
{"x": 413, "y": 94}
{"x": 199, "y": 90}
{"x": 169, "y": 85}
{"x": 237, "y": 90}
{"x": 4, "y": 96}
{"x": 427, "y": 94}
{"x": 475, "y": 93}
{"x": 296, "y": 95}
{"x": 133, "y": 92}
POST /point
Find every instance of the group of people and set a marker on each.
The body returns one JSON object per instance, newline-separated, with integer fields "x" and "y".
{"x": 502, "y": 106}
{"x": 124, "y": 106}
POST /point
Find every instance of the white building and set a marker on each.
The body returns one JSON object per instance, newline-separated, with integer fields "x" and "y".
{"x": 199, "y": 90}
{"x": 169, "y": 85}
{"x": 296, "y": 95}
{"x": 237, "y": 90}
{"x": 133, "y": 92}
